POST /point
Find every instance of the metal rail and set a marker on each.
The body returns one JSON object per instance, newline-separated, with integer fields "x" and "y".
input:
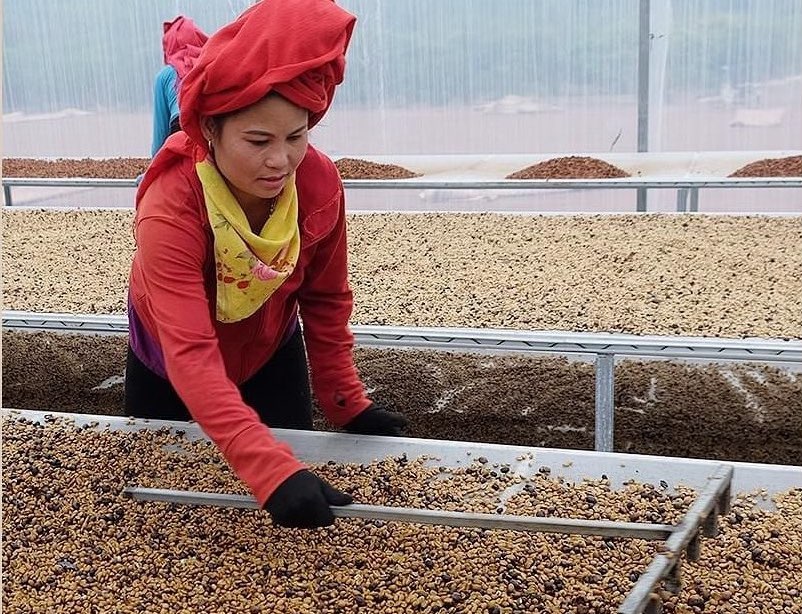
{"x": 505, "y": 522}
{"x": 683, "y": 186}
{"x": 561, "y": 342}
{"x": 605, "y": 346}
{"x": 622, "y": 183}
{"x": 569, "y": 465}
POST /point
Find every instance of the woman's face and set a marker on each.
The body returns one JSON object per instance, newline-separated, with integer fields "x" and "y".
{"x": 258, "y": 148}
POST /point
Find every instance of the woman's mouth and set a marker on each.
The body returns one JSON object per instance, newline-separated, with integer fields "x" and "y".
{"x": 272, "y": 182}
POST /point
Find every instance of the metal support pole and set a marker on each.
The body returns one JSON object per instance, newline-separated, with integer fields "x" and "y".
{"x": 695, "y": 200}
{"x": 7, "y": 195}
{"x": 640, "y": 206}
{"x": 644, "y": 42}
{"x": 682, "y": 200}
{"x": 605, "y": 406}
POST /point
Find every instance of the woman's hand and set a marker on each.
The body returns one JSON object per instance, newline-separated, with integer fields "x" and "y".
{"x": 303, "y": 500}
{"x": 377, "y": 421}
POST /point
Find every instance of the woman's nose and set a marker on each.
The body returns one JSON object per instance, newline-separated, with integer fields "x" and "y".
{"x": 277, "y": 157}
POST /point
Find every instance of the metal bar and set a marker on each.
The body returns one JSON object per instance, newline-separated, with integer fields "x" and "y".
{"x": 561, "y": 342}
{"x": 644, "y": 45}
{"x": 694, "y": 200}
{"x": 605, "y": 402}
{"x": 627, "y": 183}
{"x": 506, "y": 522}
{"x": 663, "y": 564}
{"x": 7, "y": 194}
{"x": 642, "y": 200}
{"x": 682, "y": 200}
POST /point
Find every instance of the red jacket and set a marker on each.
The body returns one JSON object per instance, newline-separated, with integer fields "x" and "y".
{"x": 172, "y": 289}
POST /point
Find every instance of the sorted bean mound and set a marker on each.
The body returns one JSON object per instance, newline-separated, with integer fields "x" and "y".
{"x": 718, "y": 276}
{"x": 570, "y": 167}
{"x": 772, "y": 167}
{"x": 733, "y": 412}
{"x": 107, "y": 168}
{"x": 353, "y": 168}
{"x": 62, "y": 491}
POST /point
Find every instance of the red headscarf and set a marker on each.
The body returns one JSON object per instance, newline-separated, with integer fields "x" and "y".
{"x": 294, "y": 47}
{"x": 182, "y": 42}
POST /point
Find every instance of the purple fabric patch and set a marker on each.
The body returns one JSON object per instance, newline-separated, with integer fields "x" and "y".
{"x": 291, "y": 328}
{"x": 147, "y": 349}
{"x": 143, "y": 344}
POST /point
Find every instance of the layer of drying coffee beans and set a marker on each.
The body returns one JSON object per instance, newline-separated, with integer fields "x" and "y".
{"x": 570, "y": 167}
{"x": 718, "y": 276}
{"x": 772, "y": 167}
{"x": 353, "y": 168}
{"x": 71, "y": 541}
{"x": 105, "y": 168}
{"x": 736, "y": 412}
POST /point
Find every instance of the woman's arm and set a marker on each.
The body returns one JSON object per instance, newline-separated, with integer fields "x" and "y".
{"x": 171, "y": 254}
{"x": 326, "y": 301}
{"x": 161, "y": 107}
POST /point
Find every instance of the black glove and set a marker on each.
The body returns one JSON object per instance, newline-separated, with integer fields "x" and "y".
{"x": 377, "y": 421}
{"x": 303, "y": 500}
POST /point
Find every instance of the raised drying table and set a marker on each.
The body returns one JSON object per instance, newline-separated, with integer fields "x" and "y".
{"x": 686, "y": 172}
{"x": 605, "y": 347}
{"x": 714, "y": 482}
{"x": 686, "y": 188}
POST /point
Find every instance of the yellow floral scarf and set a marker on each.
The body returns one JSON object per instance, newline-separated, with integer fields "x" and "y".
{"x": 250, "y": 267}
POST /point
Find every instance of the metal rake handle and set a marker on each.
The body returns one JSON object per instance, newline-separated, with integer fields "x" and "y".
{"x": 504, "y": 522}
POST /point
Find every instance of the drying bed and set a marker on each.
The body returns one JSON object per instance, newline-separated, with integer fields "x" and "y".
{"x": 732, "y": 411}
{"x": 790, "y": 166}
{"x": 99, "y": 168}
{"x": 353, "y": 168}
{"x": 487, "y": 167}
{"x": 61, "y": 493}
{"x": 646, "y": 275}
{"x": 570, "y": 167}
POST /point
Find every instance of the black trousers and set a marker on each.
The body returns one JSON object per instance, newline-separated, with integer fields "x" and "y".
{"x": 279, "y": 391}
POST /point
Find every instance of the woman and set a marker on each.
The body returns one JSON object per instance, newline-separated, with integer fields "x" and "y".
{"x": 181, "y": 42}
{"x": 240, "y": 227}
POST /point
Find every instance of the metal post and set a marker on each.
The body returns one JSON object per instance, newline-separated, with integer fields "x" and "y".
{"x": 605, "y": 406}
{"x": 682, "y": 200}
{"x": 7, "y": 194}
{"x": 694, "y": 200}
{"x": 644, "y": 42}
{"x": 640, "y": 205}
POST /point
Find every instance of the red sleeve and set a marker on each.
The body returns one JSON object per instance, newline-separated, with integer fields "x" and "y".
{"x": 326, "y": 301}
{"x": 171, "y": 252}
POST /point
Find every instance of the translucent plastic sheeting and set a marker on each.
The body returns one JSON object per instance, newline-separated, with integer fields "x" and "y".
{"x": 453, "y": 76}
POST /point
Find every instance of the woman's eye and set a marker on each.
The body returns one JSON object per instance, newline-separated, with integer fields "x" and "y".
{"x": 259, "y": 143}
{"x": 296, "y": 137}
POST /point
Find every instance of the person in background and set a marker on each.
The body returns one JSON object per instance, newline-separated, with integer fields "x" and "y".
{"x": 182, "y": 43}
{"x": 240, "y": 230}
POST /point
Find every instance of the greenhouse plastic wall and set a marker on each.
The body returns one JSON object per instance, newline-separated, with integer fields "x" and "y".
{"x": 451, "y": 76}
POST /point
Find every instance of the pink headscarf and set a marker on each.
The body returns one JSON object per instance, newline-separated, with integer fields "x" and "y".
{"x": 182, "y": 43}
